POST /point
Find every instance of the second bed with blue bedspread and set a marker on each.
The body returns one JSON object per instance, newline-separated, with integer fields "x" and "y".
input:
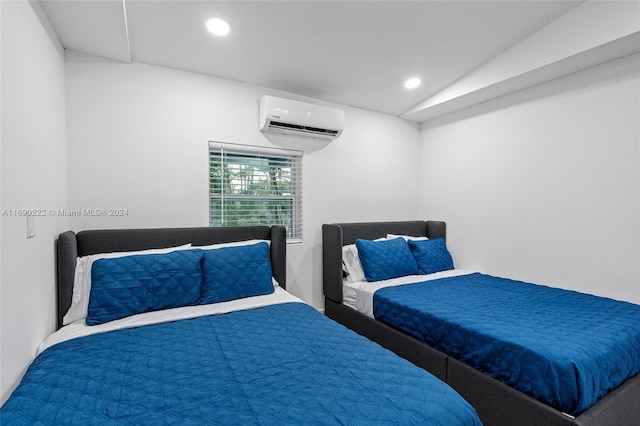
{"x": 564, "y": 348}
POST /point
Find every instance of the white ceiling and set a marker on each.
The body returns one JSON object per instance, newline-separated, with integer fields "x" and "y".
{"x": 355, "y": 53}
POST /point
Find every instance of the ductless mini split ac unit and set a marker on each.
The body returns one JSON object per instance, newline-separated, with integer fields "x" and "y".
{"x": 294, "y": 118}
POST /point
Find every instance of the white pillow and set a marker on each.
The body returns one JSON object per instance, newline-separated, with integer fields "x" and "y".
{"x": 406, "y": 237}
{"x": 232, "y": 244}
{"x": 351, "y": 262}
{"x": 82, "y": 279}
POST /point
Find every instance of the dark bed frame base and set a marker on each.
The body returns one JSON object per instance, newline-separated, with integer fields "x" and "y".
{"x": 495, "y": 402}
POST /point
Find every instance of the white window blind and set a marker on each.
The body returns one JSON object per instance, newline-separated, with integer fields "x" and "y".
{"x": 250, "y": 185}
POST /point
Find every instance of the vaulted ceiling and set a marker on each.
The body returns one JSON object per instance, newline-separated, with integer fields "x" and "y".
{"x": 356, "y": 53}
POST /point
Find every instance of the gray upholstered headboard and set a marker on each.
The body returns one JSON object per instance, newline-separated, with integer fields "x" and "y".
{"x": 70, "y": 246}
{"x": 337, "y": 235}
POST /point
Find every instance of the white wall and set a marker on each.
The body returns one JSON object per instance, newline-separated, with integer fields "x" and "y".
{"x": 544, "y": 185}
{"x": 34, "y": 176}
{"x": 137, "y": 139}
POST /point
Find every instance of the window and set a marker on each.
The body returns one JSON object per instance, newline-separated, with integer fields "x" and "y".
{"x": 251, "y": 185}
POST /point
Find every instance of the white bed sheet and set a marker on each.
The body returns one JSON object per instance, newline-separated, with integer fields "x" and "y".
{"x": 80, "y": 329}
{"x": 358, "y": 295}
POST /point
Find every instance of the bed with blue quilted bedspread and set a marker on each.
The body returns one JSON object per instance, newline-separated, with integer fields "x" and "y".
{"x": 564, "y": 348}
{"x": 279, "y": 364}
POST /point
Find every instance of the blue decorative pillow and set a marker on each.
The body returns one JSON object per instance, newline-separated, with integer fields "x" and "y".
{"x": 431, "y": 255}
{"x": 236, "y": 272}
{"x": 386, "y": 259}
{"x": 129, "y": 285}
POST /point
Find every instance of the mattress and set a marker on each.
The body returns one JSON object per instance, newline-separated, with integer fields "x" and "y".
{"x": 273, "y": 364}
{"x": 358, "y": 295}
{"x": 564, "y": 348}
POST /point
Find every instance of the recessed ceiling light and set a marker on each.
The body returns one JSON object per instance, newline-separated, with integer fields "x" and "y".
{"x": 219, "y": 27}
{"x": 412, "y": 83}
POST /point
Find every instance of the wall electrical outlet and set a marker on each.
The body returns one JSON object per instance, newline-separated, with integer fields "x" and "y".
{"x": 31, "y": 230}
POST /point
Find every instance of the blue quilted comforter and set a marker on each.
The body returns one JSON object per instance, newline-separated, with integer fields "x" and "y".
{"x": 564, "y": 348}
{"x": 281, "y": 364}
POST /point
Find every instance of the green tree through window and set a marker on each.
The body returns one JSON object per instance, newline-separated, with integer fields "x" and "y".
{"x": 255, "y": 186}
